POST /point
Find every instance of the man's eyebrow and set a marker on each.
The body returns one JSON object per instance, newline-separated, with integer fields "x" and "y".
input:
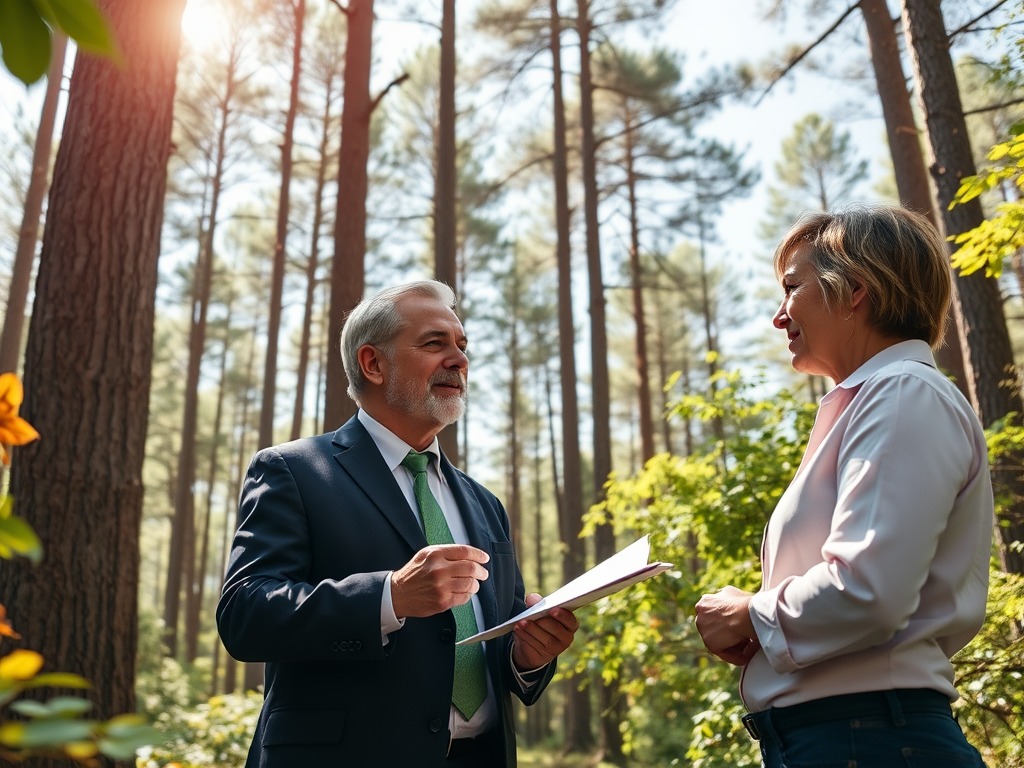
{"x": 429, "y": 334}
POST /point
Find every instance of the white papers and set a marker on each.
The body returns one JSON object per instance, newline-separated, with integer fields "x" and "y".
{"x": 619, "y": 571}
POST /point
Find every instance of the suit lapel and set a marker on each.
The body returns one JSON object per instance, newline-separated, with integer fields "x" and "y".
{"x": 473, "y": 518}
{"x": 362, "y": 461}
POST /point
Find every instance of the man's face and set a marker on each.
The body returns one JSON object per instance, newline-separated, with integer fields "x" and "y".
{"x": 426, "y": 372}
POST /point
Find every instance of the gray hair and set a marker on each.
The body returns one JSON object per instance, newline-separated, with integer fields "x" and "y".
{"x": 377, "y": 322}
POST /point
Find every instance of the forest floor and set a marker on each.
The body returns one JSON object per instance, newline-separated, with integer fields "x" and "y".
{"x": 548, "y": 758}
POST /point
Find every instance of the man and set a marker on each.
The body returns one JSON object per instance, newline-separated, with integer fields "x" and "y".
{"x": 340, "y": 579}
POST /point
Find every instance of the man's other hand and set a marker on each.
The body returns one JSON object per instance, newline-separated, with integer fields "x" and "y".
{"x": 538, "y": 642}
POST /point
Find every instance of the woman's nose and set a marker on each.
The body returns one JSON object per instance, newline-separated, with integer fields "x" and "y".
{"x": 781, "y": 318}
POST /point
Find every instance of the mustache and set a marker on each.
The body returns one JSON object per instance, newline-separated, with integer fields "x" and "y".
{"x": 448, "y": 377}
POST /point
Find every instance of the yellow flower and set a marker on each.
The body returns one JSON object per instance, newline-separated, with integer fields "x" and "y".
{"x": 14, "y": 430}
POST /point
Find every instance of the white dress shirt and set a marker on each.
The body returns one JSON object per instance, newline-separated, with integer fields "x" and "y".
{"x": 393, "y": 449}
{"x": 876, "y": 558}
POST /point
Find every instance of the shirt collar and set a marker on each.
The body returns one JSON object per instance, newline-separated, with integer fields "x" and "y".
{"x": 394, "y": 449}
{"x": 912, "y": 349}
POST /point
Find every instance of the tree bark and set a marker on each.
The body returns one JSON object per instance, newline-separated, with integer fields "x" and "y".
{"x": 312, "y": 265}
{"x": 266, "y": 437}
{"x": 445, "y": 180}
{"x": 988, "y": 356}
{"x": 578, "y": 734}
{"x": 195, "y": 590}
{"x": 905, "y": 149}
{"x": 89, "y": 358}
{"x": 25, "y": 255}
{"x": 348, "y": 270}
{"x": 181, "y": 561}
{"x": 636, "y": 273}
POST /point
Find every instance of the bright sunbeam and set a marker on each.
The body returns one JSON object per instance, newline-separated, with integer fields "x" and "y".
{"x": 202, "y": 24}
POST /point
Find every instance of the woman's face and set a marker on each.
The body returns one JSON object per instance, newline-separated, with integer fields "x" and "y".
{"x": 817, "y": 335}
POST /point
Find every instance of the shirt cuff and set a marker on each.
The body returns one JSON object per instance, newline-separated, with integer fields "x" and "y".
{"x": 523, "y": 676}
{"x": 388, "y": 621}
{"x": 764, "y": 614}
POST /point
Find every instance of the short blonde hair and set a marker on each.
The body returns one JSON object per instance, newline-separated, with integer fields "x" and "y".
{"x": 894, "y": 253}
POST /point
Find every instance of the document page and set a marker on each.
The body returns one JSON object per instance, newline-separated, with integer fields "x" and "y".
{"x": 619, "y": 571}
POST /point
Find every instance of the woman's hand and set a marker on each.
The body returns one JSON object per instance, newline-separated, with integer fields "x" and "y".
{"x": 723, "y": 620}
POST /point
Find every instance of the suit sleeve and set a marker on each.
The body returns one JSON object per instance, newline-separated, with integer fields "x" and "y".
{"x": 269, "y": 610}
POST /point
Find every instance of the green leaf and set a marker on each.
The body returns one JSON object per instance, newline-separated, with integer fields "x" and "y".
{"x": 30, "y": 708}
{"x": 83, "y": 23}
{"x": 18, "y": 536}
{"x": 25, "y": 40}
{"x": 6, "y": 506}
{"x": 60, "y": 706}
{"x": 123, "y": 739}
{"x": 53, "y": 733}
{"x": 60, "y": 680}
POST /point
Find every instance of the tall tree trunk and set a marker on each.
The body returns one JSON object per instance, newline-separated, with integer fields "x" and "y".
{"x": 281, "y": 237}
{"x": 578, "y": 734}
{"x": 642, "y": 365}
{"x": 515, "y": 504}
{"x": 194, "y": 597}
{"x": 709, "y": 331}
{"x": 182, "y": 555}
{"x": 905, "y": 149}
{"x": 661, "y": 355}
{"x": 348, "y": 270}
{"x": 89, "y": 358}
{"x": 25, "y": 255}
{"x": 445, "y": 181}
{"x": 988, "y": 356}
{"x": 312, "y": 265}
{"x": 253, "y": 671}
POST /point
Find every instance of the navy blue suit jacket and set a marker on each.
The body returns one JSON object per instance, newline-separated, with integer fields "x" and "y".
{"x": 321, "y": 523}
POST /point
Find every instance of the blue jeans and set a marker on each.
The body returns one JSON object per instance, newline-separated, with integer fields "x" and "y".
{"x": 893, "y": 731}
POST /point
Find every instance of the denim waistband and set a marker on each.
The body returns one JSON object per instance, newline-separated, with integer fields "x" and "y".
{"x": 867, "y": 704}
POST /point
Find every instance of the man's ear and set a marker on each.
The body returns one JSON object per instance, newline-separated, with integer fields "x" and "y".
{"x": 370, "y": 360}
{"x": 858, "y": 296}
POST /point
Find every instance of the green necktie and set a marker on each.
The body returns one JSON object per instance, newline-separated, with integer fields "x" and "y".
{"x": 470, "y": 687}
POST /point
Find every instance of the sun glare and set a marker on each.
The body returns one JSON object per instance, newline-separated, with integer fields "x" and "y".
{"x": 202, "y": 24}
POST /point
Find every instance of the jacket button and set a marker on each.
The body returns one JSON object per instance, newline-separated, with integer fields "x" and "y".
{"x": 357, "y": 645}
{"x": 435, "y": 725}
{"x": 447, "y": 635}
{"x": 335, "y": 647}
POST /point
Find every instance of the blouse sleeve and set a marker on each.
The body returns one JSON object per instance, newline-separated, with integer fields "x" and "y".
{"x": 905, "y": 456}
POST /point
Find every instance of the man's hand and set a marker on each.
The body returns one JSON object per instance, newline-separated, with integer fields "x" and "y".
{"x": 538, "y": 642}
{"x": 723, "y": 620}
{"x": 437, "y": 578}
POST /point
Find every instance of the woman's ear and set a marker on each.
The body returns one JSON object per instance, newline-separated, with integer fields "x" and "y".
{"x": 370, "y": 363}
{"x": 858, "y": 295}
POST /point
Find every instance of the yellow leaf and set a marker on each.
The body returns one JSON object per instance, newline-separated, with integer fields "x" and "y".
{"x": 12, "y": 734}
{"x": 20, "y": 665}
{"x": 80, "y": 750}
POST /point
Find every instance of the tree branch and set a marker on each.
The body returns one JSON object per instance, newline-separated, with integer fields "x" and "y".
{"x": 975, "y": 20}
{"x": 397, "y": 81}
{"x": 803, "y": 54}
{"x": 994, "y": 107}
{"x": 341, "y": 7}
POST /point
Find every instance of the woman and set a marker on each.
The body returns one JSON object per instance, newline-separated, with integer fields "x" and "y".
{"x": 875, "y": 561}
